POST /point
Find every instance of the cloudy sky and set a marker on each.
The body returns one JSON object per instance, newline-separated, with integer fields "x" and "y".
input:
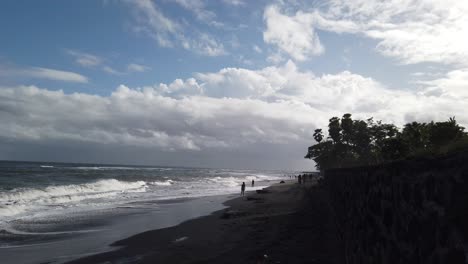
{"x": 227, "y": 83}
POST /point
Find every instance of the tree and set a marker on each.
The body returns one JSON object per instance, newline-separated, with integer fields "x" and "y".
{"x": 358, "y": 142}
{"x": 347, "y": 127}
{"x": 321, "y": 153}
{"x": 443, "y": 133}
{"x": 415, "y": 135}
{"x": 318, "y": 135}
{"x": 334, "y": 129}
{"x": 362, "y": 140}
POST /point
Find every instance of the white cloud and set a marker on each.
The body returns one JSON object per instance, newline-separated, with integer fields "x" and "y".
{"x": 172, "y": 34}
{"x": 410, "y": 31}
{"x": 111, "y": 70}
{"x": 153, "y": 22}
{"x": 85, "y": 59}
{"x": 145, "y": 118}
{"x": 233, "y": 108}
{"x": 293, "y": 35}
{"x": 275, "y": 58}
{"x": 44, "y": 73}
{"x": 197, "y": 7}
{"x": 90, "y": 60}
{"x": 207, "y": 45}
{"x": 335, "y": 94}
{"x": 133, "y": 67}
{"x": 453, "y": 85}
{"x": 257, "y": 49}
{"x": 235, "y": 2}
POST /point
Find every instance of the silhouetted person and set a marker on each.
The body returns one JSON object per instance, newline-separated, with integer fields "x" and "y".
{"x": 243, "y": 188}
{"x": 253, "y": 182}
{"x": 299, "y": 179}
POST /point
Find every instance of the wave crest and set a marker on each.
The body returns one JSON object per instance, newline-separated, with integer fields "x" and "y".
{"x": 15, "y": 201}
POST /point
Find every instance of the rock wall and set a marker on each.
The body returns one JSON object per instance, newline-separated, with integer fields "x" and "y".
{"x": 413, "y": 211}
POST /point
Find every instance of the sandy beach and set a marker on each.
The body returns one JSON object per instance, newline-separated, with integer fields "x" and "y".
{"x": 287, "y": 223}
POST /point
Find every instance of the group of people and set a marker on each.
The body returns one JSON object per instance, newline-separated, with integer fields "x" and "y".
{"x": 301, "y": 179}
{"x": 243, "y": 187}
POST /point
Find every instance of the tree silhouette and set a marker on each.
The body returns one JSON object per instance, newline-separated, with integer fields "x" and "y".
{"x": 318, "y": 135}
{"x": 358, "y": 142}
{"x": 334, "y": 129}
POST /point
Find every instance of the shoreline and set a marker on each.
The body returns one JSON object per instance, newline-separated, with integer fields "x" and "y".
{"x": 110, "y": 228}
{"x": 288, "y": 223}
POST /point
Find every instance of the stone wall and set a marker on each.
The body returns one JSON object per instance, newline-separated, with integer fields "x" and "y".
{"x": 413, "y": 211}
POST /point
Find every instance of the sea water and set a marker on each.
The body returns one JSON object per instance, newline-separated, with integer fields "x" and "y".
{"x": 43, "y": 202}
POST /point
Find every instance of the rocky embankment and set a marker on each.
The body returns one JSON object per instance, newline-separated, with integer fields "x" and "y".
{"x": 413, "y": 211}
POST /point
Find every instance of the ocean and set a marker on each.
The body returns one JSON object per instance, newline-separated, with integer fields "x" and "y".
{"x": 43, "y": 202}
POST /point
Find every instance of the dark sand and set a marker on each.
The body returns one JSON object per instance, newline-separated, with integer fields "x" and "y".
{"x": 291, "y": 223}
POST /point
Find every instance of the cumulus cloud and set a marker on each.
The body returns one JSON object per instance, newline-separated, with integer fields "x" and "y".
{"x": 44, "y": 73}
{"x": 233, "y": 108}
{"x": 453, "y": 85}
{"x": 293, "y": 35}
{"x": 145, "y": 118}
{"x": 335, "y": 94}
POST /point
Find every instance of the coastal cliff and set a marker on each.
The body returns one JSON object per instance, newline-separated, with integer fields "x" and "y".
{"x": 412, "y": 211}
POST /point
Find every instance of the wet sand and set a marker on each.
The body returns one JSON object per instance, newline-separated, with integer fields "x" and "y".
{"x": 107, "y": 226}
{"x": 289, "y": 223}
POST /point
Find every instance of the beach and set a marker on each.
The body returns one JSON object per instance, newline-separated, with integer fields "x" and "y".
{"x": 59, "y": 212}
{"x": 285, "y": 223}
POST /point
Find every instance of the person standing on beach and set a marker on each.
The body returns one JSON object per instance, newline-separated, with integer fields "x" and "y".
{"x": 243, "y": 188}
{"x": 253, "y": 182}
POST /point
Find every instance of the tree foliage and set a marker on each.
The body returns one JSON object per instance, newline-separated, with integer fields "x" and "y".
{"x": 367, "y": 142}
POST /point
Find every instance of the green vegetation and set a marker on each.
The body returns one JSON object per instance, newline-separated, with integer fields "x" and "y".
{"x": 358, "y": 142}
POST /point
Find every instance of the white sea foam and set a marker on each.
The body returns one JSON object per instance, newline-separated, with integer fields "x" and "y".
{"x": 118, "y": 168}
{"x": 162, "y": 183}
{"x": 225, "y": 181}
{"x": 55, "y": 200}
{"x": 19, "y": 200}
{"x": 20, "y": 232}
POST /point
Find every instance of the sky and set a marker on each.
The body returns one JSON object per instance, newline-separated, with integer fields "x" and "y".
{"x": 226, "y": 83}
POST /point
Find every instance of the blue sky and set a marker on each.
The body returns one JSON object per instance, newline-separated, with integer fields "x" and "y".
{"x": 202, "y": 79}
{"x": 106, "y": 30}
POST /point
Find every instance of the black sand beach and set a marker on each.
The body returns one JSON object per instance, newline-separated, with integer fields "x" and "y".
{"x": 289, "y": 223}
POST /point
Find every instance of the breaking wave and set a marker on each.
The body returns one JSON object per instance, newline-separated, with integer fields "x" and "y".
{"x": 46, "y": 190}
{"x": 16, "y": 201}
{"x": 118, "y": 168}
